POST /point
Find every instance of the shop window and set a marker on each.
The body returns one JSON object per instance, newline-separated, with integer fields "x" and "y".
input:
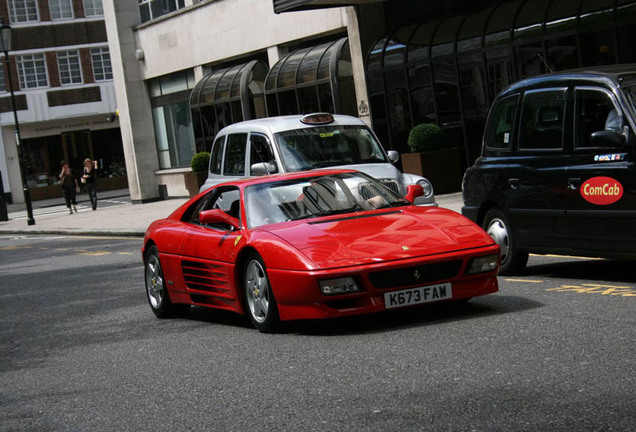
{"x": 174, "y": 136}
{"x": 23, "y": 11}
{"x": 562, "y": 53}
{"x": 599, "y": 48}
{"x": 626, "y": 43}
{"x": 3, "y": 85}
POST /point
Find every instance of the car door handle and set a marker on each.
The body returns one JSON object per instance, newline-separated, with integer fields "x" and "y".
{"x": 514, "y": 183}
{"x": 574, "y": 183}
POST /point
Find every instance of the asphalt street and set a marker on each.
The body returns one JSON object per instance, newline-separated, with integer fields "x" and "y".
{"x": 80, "y": 350}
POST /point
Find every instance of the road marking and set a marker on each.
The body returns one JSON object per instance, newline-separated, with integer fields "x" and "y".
{"x": 14, "y": 247}
{"x": 125, "y": 253}
{"x": 524, "y": 280}
{"x": 616, "y": 290}
{"x": 98, "y": 253}
{"x": 567, "y": 256}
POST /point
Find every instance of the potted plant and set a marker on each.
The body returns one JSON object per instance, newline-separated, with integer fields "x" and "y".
{"x": 195, "y": 179}
{"x": 430, "y": 158}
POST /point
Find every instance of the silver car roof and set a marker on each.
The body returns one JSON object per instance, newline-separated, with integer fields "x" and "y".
{"x": 272, "y": 125}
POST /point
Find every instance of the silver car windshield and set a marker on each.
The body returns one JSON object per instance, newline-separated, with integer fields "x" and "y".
{"x": 328, "y": 146}
{"x": 309, "y": 197}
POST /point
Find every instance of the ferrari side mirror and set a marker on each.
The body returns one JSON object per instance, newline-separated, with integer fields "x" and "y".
{"x": 413, "y": 191}
{"x": 217, "y": 216}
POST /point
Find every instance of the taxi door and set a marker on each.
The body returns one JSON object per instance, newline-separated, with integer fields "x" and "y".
{"x": 536, "y": 175}
{"x": 601, "y": 206}
{"x": 208, "y": 253}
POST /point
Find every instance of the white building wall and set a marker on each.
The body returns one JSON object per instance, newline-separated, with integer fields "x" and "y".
{"x": 217, "y": 30}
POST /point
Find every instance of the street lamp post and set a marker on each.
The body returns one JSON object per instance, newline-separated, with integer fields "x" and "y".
{"x": 5, "y": 40}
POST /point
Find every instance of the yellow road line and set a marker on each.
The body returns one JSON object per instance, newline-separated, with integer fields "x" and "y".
{"x": 523, "y": 280}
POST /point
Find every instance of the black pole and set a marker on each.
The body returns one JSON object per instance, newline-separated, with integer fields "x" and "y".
{"x": 25, "y": 188}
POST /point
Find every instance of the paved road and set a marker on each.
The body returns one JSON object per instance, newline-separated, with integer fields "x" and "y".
{"x": 81, "y": 351}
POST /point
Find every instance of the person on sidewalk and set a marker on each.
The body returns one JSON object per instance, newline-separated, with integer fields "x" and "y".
{"x": 89, "y": 178}
{"x": 69, "y": 187}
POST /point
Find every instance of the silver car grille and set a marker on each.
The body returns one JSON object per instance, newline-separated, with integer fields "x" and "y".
{"x": 369, "y": 190}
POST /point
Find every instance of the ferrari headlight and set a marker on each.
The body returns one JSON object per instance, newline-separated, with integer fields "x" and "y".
{"x": 426, "y": 186}
{"x": 483, "y": 264}
{"x": 344, "y": 285}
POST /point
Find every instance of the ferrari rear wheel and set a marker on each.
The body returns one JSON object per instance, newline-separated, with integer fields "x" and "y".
{"x": 156, "y": 288}
{"x": 259, "y": 298}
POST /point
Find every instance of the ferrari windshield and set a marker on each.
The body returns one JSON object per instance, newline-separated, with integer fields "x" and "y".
{"x": 309, "y": 197}
{"x": 328, "y": 146}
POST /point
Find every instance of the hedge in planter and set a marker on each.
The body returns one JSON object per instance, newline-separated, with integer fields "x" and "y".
{"x": 195, "y": 179}
{"x": 425, "y": 137}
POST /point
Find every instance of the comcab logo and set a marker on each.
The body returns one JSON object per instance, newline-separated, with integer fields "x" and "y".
{"x": 602, "y": 190}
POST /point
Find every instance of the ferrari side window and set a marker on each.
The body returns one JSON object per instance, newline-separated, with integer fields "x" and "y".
{"x": 227, "y": 200}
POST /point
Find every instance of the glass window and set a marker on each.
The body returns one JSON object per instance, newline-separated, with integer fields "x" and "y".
{"x": 61, "y": 9}
{"x": 499, "y": 132}
{"x": 23, "y": 11}
{"x": 542, "y": 120}
{"x": 32, "y": 71}
{"x": 327, "y": 146}
{"x": 151, "y": 9}
{"x": 226, "y": 199}
{"x": 217, "y": 155}
{"x": 595, "y": 112}
{"x": 93, "y": 8}
{"x": 102, "y": 68}
{"x": 68, "y": 63}
{"x": 235, "y": 155}
{"x": 173, "y": 129}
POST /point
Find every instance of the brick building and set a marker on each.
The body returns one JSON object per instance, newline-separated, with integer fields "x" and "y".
{"x": 63, "y": 83}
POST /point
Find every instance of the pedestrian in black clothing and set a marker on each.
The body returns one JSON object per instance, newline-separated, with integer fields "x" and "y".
{"x": 90, "y": 180}
{"x": 69, "y": 187}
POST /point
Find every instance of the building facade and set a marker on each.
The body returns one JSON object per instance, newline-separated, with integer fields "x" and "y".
{"x": 60, "y": 68}
{"x": 185, "y": 68}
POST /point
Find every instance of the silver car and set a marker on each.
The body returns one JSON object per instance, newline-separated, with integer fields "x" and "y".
{"x": 300, "y": 143}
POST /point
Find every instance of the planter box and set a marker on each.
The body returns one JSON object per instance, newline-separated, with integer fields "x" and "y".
{"x": 194, "y": 181}
{"x": 441, "y": 167}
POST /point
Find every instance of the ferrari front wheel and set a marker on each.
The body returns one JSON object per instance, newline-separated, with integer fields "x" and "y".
{"x": 156, "y": 290}
{"x": 259, "y": 298}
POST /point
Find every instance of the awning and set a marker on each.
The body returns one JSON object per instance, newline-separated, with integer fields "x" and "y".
{"x": 298, "y": 5}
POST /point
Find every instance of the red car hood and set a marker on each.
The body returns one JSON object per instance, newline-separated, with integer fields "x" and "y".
{"x": 364, "y": 238}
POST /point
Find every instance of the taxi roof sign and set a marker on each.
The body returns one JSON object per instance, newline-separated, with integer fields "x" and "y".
{"x": 317, "y": 118}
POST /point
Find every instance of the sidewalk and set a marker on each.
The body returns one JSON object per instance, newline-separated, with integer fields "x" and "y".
{"x": 116, "y": 216}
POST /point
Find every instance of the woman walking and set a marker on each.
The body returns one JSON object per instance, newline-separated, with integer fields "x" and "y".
{"x": 69, "y": 187}
{"x": 90, "y": 179}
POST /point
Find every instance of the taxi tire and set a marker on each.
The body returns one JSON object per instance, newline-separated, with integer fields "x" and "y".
{"x": 156, "y": 289}
{"x": 497, "y": 226}
{"x": 260, "y": 304}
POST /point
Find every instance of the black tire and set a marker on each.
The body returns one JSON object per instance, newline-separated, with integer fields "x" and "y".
{"x": 156, "y": 290}
{"x": 260, "y": 304}
{"x": 497, "y": 226}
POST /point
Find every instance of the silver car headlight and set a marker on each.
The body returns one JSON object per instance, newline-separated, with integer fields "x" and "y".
{"x": 427, "y": 187}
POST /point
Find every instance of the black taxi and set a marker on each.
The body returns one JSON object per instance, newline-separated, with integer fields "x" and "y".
{"x": 557, "y": 172}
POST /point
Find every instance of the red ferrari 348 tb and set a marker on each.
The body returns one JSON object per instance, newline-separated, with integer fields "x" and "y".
{"x": 308, "y": 245}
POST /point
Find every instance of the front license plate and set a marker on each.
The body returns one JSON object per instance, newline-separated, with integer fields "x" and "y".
{"x": 419, "y": 295}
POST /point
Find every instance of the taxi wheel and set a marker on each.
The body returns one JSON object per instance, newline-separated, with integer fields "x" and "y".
{"x": 497, "y": 226}
{"x": 260, "y": 302}
{"x": 156, "y": 288}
